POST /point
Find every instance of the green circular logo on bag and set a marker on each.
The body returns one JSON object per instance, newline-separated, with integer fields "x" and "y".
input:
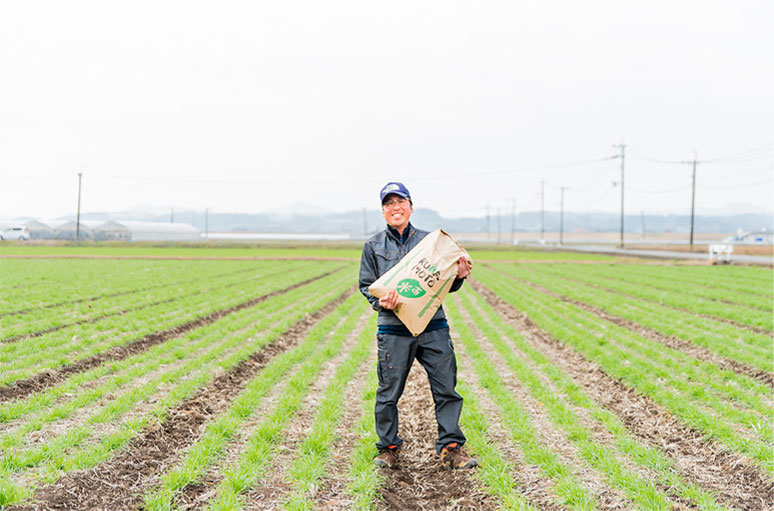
{"x": 410, "y": 288}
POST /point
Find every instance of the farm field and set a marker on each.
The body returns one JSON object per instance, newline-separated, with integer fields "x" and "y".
{"x": 189, "y": 378}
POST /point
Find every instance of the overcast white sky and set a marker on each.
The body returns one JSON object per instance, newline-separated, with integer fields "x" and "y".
{"x": 247, "y": 106}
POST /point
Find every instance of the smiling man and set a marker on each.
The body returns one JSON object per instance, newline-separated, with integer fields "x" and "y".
{"x": 397, "y": 347}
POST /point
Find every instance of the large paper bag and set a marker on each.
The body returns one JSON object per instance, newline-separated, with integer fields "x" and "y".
{"x": 422, "y": 278}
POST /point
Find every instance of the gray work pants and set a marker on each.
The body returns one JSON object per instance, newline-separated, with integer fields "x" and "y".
{"x": 434, "y": 350}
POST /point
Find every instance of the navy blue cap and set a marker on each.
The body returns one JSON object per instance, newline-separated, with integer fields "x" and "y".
{"x": 394, "y": 188}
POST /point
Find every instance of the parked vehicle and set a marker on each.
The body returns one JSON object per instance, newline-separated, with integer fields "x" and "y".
{"x": 15, "y": 233}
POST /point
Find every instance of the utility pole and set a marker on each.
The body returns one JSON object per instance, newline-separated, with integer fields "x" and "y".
{"x": 693, "y": 195}
{"x": 488, "y": 237}
{"x": 499, "y": 227}
{"x": 513, "y": 221}
{"x": 78, "y": 216}
{"x": 542, "y": 210}
{"x": 561, "y": 218}
{"x": 622, "y": 147}
{"x": 642, "y": 219}
{"x": 206, "y": 222}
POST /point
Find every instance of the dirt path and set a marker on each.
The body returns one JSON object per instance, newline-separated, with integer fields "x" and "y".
{"x": 44, "y": 380}
{"x": 736, "y": 480}
{"x": 419, "y": 482}
{"x": 120, "y": 482}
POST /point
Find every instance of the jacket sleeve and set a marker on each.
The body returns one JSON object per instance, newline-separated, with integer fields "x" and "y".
{"x": 456, "y": 285}
{"x": 368, "y": 275}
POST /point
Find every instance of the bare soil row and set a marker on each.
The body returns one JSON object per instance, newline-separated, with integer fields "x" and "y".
{"x": 735, "y": 479}
{"x": 120, "y": 482}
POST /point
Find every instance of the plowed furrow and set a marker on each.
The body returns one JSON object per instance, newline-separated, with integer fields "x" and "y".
{"x": 332, "y": 492}
{"x": 735, "y": 480}
{"x": 551, "y": 435}
{"x": 272, "y": 492}
{"x": 419, "y": 482}
{"x": 120, "y": 482}
{"x": 537, "y": 489}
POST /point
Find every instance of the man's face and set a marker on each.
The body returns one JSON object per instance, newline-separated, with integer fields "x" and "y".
{"x": 397, "y": 211}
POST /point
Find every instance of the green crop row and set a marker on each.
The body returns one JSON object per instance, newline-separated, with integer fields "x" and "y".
{"x": 322, "y": 342}
{"x": 494, "y": 471}
{"x": 727, "y": 340}
{"x": 513, "y": 349}
{"x": 745, "y": 279}
{"x": 364, "y": 477}
{"x": 78, "y": 389}
{"x": 676, "y": 284}
{"x": 30, "y": 284}
{"x": 82, "y": 447}
{"x": 205, "y": 249}
{"x": 312, "y": 461}
{"x": 714, "y": 286}
{"x": 617, "y": 351}
{"x": 57, "y": 317}
{"x": 736, "y": 313}
{"x": 741, "y": 391}
{"x": 521, "y": 428}
{"x": 19, "y": 360}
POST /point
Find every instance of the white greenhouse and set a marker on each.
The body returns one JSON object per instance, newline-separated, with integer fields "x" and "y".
{"x": 67, "y": 231}
{"x": 130, "y": 230}
{"x": 39, "y": 230}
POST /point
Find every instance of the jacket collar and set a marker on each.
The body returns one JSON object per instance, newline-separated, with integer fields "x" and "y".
{"x": 398, "y": 237}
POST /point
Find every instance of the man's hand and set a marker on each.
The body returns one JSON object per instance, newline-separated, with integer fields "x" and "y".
{"x": 463, "y": 267}
{"x": 390, "y": 300}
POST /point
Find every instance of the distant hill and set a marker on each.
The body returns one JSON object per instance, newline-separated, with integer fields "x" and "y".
{"x": 362, "y": 222}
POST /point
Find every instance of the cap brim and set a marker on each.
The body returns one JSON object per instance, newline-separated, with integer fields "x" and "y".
{"x": 396, "y": 192}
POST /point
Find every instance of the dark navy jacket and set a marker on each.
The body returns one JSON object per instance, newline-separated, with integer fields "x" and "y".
{"x": 381, "y": 252}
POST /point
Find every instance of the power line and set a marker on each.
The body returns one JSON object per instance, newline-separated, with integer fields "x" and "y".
{"x": 664, "y": 190}
{"x": 756, "y": 152}
{"x": 597, "y": 199}
{"x": 753, "y": 154}
{"x": 726, "y": 187}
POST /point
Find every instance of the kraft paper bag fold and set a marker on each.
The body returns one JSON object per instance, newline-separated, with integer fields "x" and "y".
{"x": 422, "y": 278}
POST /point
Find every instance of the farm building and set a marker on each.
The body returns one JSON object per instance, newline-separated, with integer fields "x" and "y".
{"x": 123, "y": 230}
{"x": 762, "y": 237}
{"x": 67, "y": 231}
{"x": 39, "y": 230}
{"x": 112, "y": 231}
{"x": 129, "y": 230}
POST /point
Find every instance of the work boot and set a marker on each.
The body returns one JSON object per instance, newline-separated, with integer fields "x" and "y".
{"x": 387, "y": 457}
{"x": 452, "y": 457}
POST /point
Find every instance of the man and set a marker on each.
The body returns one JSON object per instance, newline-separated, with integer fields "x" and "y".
{"x": 397, "y": 347}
